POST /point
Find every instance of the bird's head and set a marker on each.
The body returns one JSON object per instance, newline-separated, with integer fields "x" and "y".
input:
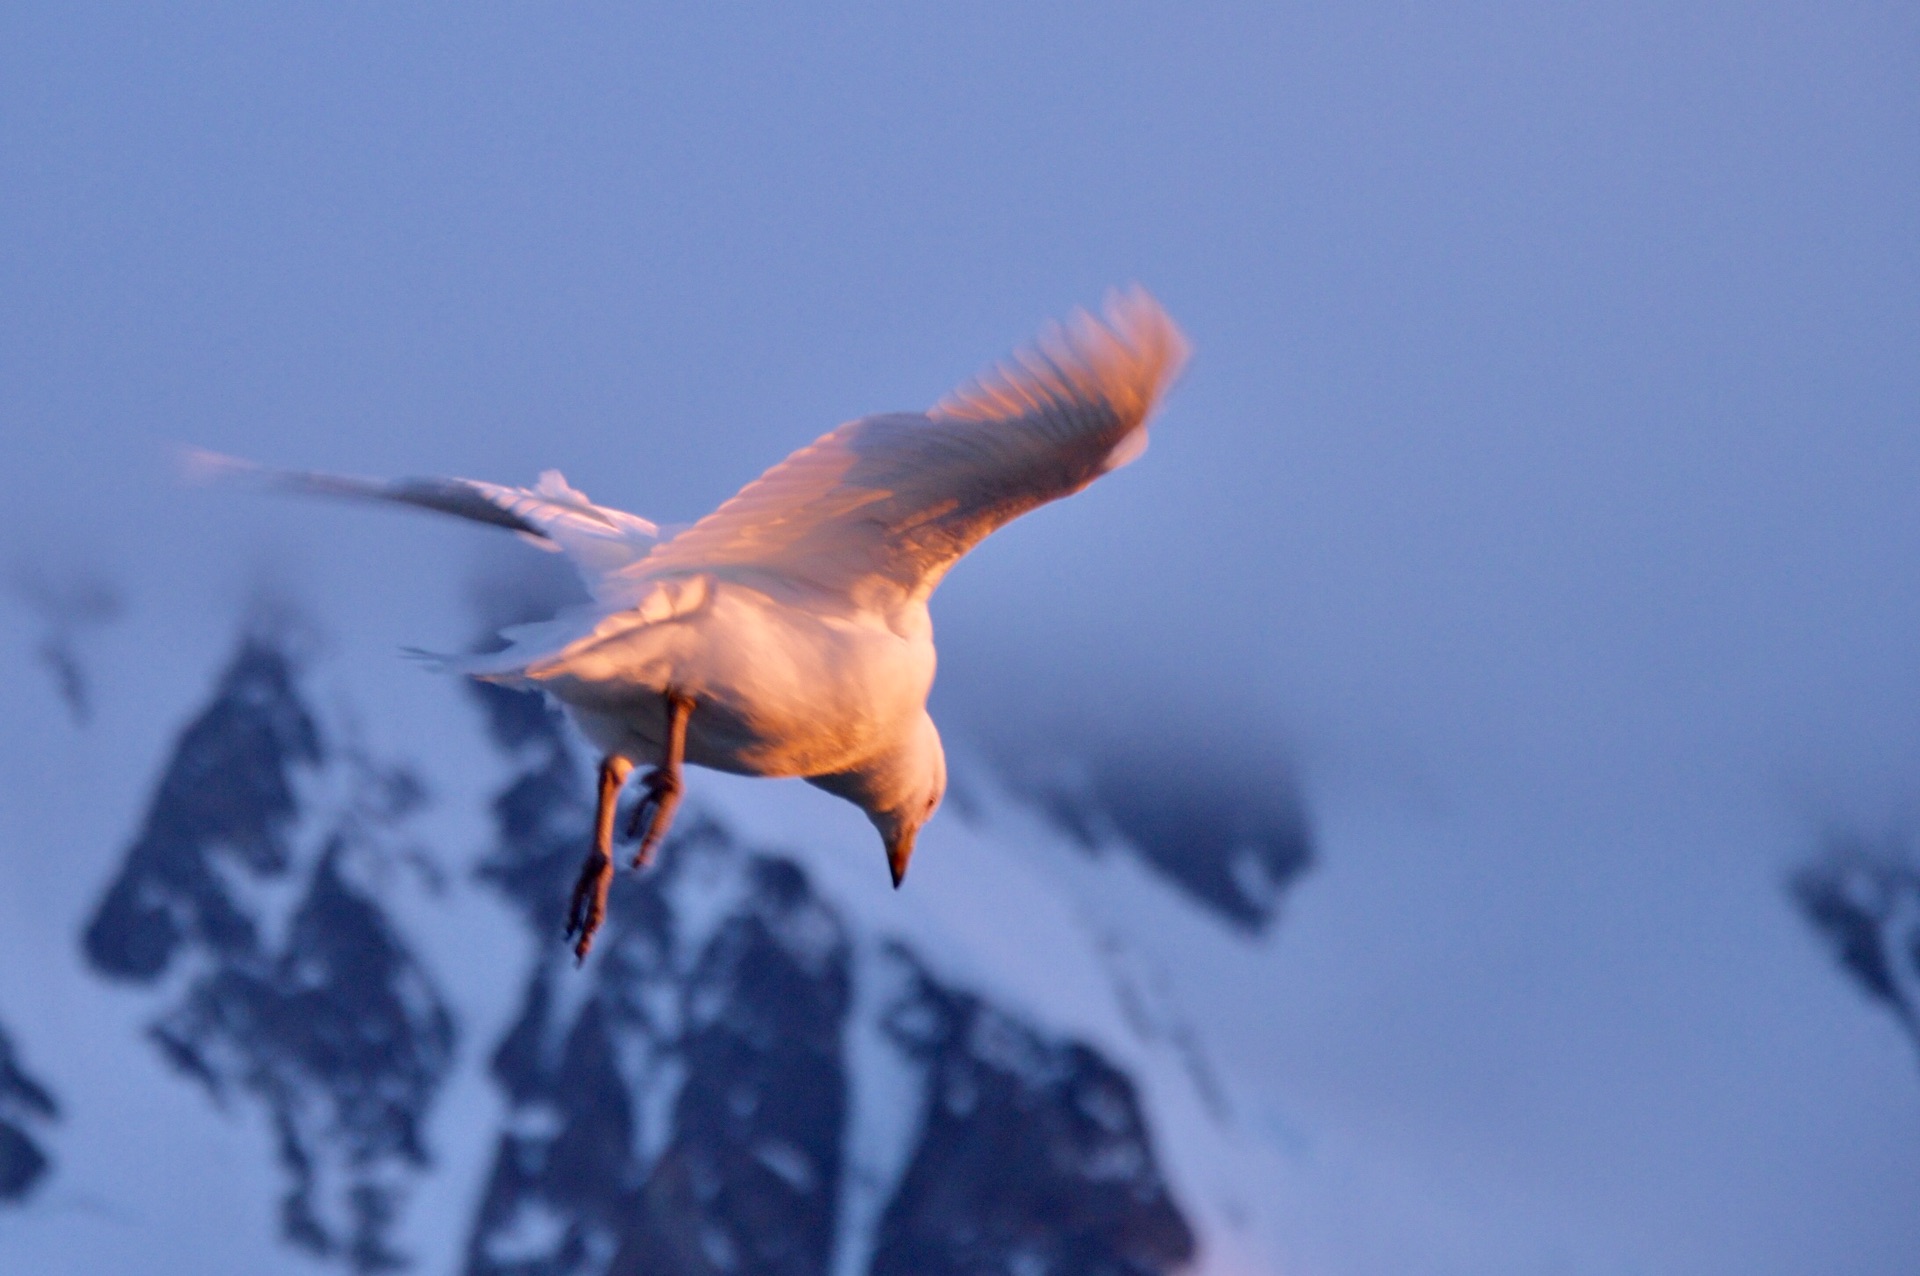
{"x": 918, "y": 782}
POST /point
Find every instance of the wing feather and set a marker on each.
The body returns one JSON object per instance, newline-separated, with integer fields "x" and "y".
{"x": 551, "y": 514}
{"x": 877, "y": 511}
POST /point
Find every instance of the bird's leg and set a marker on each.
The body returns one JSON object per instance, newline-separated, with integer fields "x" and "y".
{"x": 589, "y": 906}
{"x": 655, "y": 812}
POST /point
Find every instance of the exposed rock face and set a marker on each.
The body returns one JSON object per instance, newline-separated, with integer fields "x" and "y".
{"x": 1864, "y": 899}
{"x": 1032, "y": 1156}
{"x": 683, "y": 1112}
{"x": 1238, "y": 852}
{"x": 24, "y": 1105}
{"x": 684, "y": 1106}
{"x": 295, "y": 987}
{"x": 225, "y": 806}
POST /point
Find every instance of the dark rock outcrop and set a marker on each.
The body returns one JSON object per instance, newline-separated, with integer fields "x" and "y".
{"x": 25, "y": 1105}
{"x": 685, "y": 1115}
{"x": 1032, "y": 1157}
{"x": 1863, "y": 897}
{"x": 1237, "y": 850}
{"x": 226, "y": 800}
{"x": 321, "y": 1014}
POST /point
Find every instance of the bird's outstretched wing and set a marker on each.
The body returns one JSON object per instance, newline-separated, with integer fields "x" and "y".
{"x": 599, "y": 541}
{"x": 877, "y": 511}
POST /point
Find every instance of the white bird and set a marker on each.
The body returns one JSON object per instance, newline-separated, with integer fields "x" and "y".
{"x": 786, "y": 633}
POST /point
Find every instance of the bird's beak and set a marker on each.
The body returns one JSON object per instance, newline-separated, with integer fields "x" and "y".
{"x": 899, "y": 851}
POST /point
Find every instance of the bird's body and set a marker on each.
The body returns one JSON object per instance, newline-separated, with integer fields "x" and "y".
{"x": 783, "y": 689}
{"x": 787, "y": 634}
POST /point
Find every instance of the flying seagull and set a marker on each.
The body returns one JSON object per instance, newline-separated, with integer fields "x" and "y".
{"x": 786, "y": 633}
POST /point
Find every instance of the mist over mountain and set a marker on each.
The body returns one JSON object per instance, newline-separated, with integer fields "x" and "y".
{"x": 66, "y": 606}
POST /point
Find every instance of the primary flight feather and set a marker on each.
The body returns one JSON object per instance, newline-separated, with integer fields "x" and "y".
{"x": 786, "y": 633}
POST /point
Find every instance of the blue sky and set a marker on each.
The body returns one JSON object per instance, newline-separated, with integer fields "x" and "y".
{"x": 1542, "y": 485}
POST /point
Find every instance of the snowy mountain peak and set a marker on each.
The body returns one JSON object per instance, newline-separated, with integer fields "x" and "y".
{"x": 224, "y": 808}
{"x": 293, "y": 987}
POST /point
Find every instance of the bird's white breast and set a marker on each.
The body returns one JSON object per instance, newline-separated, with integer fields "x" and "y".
{"x": 779, "y": 688}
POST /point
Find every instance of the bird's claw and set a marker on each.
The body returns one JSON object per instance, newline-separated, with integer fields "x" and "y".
{"x": 653, "y": 814}
{"x": 642, "y": 813}
{"x": 588, "y": 907}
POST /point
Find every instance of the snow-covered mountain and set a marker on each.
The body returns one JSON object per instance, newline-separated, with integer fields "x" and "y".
{"x": 772, "y": 1063}
{"x": 273, "y": 1000}
{"x": 296, "y": 988}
